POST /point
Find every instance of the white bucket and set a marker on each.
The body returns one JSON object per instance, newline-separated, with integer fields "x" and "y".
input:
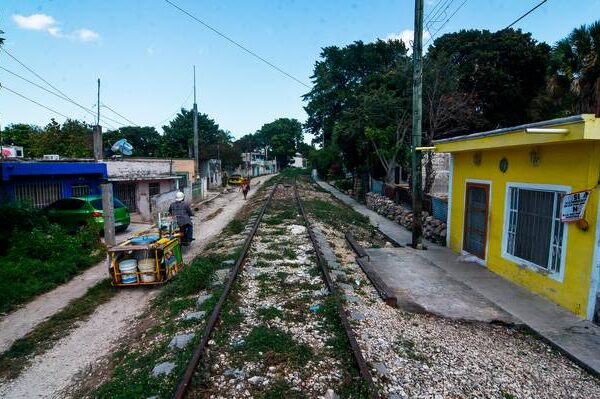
{"x": 128, "y": 270}
{"x": 148, "y": 268}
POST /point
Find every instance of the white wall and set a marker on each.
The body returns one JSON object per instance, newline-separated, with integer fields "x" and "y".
{"x": 138, "y": 168}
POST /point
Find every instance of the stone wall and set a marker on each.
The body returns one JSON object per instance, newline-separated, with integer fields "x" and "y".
{"x": 433, "y": 229}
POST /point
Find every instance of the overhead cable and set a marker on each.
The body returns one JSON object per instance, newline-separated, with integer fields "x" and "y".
{"x": 57, "y": 92}
{"x": 224, "y": 36}
{"x": 526, "y": 14}
{"x": 2, "y": 86}
{"x": 116, "y": 113}
{"x": 445, "y": 22}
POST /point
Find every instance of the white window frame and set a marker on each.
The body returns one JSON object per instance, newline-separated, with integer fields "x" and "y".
{"x": 558, "y": 276}
{"x": 482, "y": 262}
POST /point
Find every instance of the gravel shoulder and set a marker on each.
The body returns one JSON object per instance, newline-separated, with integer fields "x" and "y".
{"x": 59, "y": 367}
{"x": 426, "y": 356}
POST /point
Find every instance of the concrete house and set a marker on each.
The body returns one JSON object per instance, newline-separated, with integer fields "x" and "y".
{"x": 524, "y": 202}
{"x": 254, "y": 164}
{"x": 147, "y": 186}
{"x": 42, "y": 182}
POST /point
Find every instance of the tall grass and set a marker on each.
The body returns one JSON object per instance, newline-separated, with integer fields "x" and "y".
{"x": 36, "y": 256}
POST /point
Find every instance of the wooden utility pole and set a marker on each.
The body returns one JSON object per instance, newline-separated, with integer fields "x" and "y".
{"x": 417, "y": 114}
{"x": 108, "y": 212}
{"x": 196, "y": 139}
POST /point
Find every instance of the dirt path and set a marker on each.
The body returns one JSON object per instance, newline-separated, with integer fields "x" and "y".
{"x": 18, "y": 323}
{"x": 54, "y": 370}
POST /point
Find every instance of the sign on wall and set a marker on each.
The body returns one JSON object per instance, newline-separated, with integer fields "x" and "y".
{"x": 573, "y": 206}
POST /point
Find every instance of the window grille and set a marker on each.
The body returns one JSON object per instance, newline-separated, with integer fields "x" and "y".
{"x": 154, "y": 188}
{"x": 80, "y": 190}
{"x": 535, "y": 233}
{"x": 40, "y": 194}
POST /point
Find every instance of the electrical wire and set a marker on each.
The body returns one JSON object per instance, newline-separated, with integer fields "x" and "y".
{"x": 437, "y": 16}
{"x": 526, "y": 14}
{"x": 116, "y": 113}
{"x": 57, "y": 92}
{"x": 445, "y": 22}
{"x": 433, "y": 10}
{"x": 89, "y": 111}
{"x": 36, "y": 74}
{"x": 252, "y": 53}
{"x": 2, "y": 86}
{"x": 159, "y": 124}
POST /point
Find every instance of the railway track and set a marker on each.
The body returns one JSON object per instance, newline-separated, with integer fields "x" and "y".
{"x": 279, "y": 328}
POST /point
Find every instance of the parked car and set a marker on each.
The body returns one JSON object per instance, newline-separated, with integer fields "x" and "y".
{"x": 236, "y": 180}
{"x": 77, "y": 212}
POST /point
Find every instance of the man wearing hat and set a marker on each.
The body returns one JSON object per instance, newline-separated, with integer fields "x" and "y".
{"x": 183, "y": 213}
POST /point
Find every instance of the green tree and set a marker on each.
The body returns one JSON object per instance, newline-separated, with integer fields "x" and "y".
{"x": 575, "y": 70}
{"x": 283, "y": 136}
{"x": 215, "y": 143}
{"x": 504, "y": 72}
{"x": 338, "y": 75}
{"x": 146, "y": 141}
{"x": 20, "y": 134}
{"x": 178, "y": 137}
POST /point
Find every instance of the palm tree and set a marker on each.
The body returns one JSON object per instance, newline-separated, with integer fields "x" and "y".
{"x": 575, "y": 69}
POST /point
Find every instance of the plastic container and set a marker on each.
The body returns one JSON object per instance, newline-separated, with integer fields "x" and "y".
{"x": 141, "y": 240}
{"x": 128, "y": 269}
{"x": 147, "y": 268}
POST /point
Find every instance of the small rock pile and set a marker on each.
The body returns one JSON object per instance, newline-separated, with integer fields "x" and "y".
{"x": 433, "y": 229}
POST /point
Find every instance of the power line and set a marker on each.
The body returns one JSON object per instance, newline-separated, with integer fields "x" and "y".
{"x": 526, "y": 14}
{"x": 46, "y": 90}
{"x": 116, "y": 113}
{"x": 178, "y": 110}
{"x": 433, "y": 10}
{"x": 57, "y": 92}
{"x": 439, "y": 15}
{"x": 2, "y": 86}
{"x": 252, "y": 53}
{"x": 35, "y": 73}
{"x": 445, "y": 22}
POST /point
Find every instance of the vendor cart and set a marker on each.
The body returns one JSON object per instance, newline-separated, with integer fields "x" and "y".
{"x": 147, "y": 259}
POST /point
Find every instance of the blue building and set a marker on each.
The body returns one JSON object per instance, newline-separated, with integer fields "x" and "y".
{"x": 45, "y": 182}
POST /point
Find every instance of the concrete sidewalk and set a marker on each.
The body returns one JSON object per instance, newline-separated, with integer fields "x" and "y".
{"x": 577, "y": 338}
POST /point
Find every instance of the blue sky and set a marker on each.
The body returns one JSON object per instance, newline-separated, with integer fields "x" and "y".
{"x": 143, "y": 51}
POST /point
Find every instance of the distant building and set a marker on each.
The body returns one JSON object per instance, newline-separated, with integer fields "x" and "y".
{"x": 254, "y": 164}
{"x": 298, "y": 161}
{"x": 524, "y": 202}
{"x": 211, "y": 170}
{"x": 43, "y": 182}
{"x": 11, "y": 151}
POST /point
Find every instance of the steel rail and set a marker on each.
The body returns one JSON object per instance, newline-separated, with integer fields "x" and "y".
{"x": 200, "y": 350}
{"x": 360, "y": 360}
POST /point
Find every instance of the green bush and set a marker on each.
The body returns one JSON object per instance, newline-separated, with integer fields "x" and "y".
{"x": 36, "y": 256}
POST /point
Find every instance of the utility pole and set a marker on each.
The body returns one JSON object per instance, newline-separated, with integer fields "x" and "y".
{"x": 196, "y": 153}
{"x": 97, "y": 132}
{"x": 108, "y": 211}
{"x": 417, "y": 104}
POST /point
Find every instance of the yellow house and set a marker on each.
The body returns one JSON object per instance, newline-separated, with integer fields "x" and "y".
{"x": 512, "y": 205}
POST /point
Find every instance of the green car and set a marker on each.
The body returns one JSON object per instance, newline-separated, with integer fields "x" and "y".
{"x": 76, "y": 213}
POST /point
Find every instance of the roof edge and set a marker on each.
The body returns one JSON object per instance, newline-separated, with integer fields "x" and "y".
{"x": 552, "y": 122}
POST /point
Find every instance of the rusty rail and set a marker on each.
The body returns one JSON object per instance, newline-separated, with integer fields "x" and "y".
{"x": 200, "y": 350}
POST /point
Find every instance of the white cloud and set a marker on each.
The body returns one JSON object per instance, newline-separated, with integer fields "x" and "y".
{"x": 150, "y": 50}
{"x": 35, "y": 21}
{"x": 85, "y": 35}
{"x": 407, "y": 36}
{"x": 46, "y": 23}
